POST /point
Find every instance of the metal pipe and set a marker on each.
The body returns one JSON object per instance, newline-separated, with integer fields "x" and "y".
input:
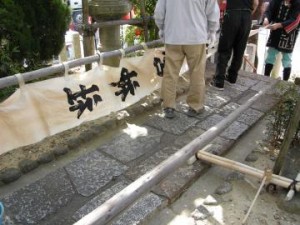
{"x": 32, "y": 75}
{"x": 115, "y": 205}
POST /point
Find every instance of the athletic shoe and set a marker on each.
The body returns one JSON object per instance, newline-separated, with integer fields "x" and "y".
{"x": 228, "y": 81}
{"x": 169, "y": 113}
{"x": 193, "y": 113}
{"x": 216, "y": 86}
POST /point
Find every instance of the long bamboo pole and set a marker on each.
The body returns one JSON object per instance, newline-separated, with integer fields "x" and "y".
{"x": 59, "y": 68}
{"x": 113, "y": 206}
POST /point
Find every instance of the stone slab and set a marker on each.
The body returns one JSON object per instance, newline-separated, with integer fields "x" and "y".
{"x": 126, "y": 148}
{"x": 92, "y": 171}
{"x": 174, "y": 184}
{"x": 38, "y": 200}
{"x": 177, "y": 125}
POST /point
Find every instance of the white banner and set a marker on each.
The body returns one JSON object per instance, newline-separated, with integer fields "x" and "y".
{"x": 45, "y": 108}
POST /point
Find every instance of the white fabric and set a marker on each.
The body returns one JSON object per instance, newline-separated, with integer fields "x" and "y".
{"x": 187, "y": 22}
{"x": 41, "y": 109}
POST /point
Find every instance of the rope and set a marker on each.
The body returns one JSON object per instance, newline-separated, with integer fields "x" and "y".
{"x": 293, "y": 185}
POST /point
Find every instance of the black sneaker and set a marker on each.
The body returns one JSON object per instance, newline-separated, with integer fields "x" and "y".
{"x": 228, "y": 81}
{"x": 216, "y": 86}
{"x": 169, "y": 113}
{"x": 193, "y": 113}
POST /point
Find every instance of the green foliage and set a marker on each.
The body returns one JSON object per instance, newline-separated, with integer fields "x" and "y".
{"x": 152, "y": 30}
{"x": 281, "y": 115}
{"x": 31, "y": 30}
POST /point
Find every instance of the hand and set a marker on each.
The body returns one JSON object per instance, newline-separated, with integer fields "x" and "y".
{"x": 161, "y": 34}
{"x": 211, "y": 39}
{"x": 274, "y": 26}
{"x": 266, "y": 22}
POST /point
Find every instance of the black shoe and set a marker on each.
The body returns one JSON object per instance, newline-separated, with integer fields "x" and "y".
{"x": 169, "y": 113}
{"x": 228, "y": 81}
{"x": 216, "y": 86}
{"x": 193, "y": 113}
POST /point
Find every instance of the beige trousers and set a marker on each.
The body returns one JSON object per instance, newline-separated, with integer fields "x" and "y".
{"x": 196, "y": 60}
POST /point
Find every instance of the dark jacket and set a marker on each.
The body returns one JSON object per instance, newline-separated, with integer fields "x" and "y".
{"x": 284, "y": 38}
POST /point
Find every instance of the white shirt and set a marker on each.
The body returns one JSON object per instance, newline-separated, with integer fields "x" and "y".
{"x": 187, "y": 22}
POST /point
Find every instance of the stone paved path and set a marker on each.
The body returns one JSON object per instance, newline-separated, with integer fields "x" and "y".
{"x": 68, "y": 191}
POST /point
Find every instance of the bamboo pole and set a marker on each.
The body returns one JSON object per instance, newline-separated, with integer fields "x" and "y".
{"x": 230, "y": 164}
{"x": 59, "y": 68}
{"x": 113, "y": 206}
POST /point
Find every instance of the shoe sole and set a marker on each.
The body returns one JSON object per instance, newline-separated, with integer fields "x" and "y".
{"x": 188, "y": 113}
{"x": 230, "y": 84}
{"x": 170, "y": 117}
{"x": 216, "y": 88}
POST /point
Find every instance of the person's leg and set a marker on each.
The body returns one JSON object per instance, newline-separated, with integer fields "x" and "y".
{"x": 173, "y": 62}
{"x": 270, "y": 60}
{"x": 287, "y": 64}
{"x": 239, "y": 45}
{"x": 229, "y": 29}
{"x": 196, "y": 60}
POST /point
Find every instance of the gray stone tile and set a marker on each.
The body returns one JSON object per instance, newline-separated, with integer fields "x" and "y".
{"x": 142, "y": 209}
{"x": 246, "y": 96}
{"x": 211, "y": 121}
{"x": 126, "y": 148}
{"x": 177, "y": 125}
{"x": 233, "y": 91}
{"x": 34, "y": 202}
{"x": 99, "y": 200}
{"x": 260, "y": 86}
{"x": 139, "y": 169}
{"x": 250, "y": 116}
{"x": 234, "y": 131}
{"x": 265, "y": 103}
{"x": 247, "y": 81}
{"x": 227, "y": 109}
{"x": 174, "y": 184}
{"x": 92, "y": 171}
{"x": 183, "y": 107}
{"x": 187, "y": 137}
{"x": 216, "y": 99}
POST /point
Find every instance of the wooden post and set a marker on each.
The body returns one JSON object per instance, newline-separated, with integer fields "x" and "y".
{"x": 88, "y": 36}
{"x": 288, "y": 138}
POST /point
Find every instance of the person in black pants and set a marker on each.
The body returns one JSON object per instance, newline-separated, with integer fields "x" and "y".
{"x": 233, "y": 40}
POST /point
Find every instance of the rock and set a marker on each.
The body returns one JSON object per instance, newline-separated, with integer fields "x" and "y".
{"x": 210, "y": 200}
{"x": 252, "y": 157}
{"x": 235, "y": 176}
{"x": 46, "y": 157}
{"x": 60, "y": 150}
{"x": 201, "y": 213}
{"x": 9, "y": 175}
{"x": 224, "y": 188}
{"x": 28, "y": 165}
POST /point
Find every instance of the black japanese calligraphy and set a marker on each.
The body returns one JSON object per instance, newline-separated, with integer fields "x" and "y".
{"x": 126, "y": 84}
{"x": 159, "y": 65}
{"x": 79, "y": 100}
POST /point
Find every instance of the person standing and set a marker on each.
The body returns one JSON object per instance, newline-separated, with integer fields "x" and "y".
{"x": 233, "y": 40}
{"x": 282, "y": 18}
{"x": 185, "y": 27}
